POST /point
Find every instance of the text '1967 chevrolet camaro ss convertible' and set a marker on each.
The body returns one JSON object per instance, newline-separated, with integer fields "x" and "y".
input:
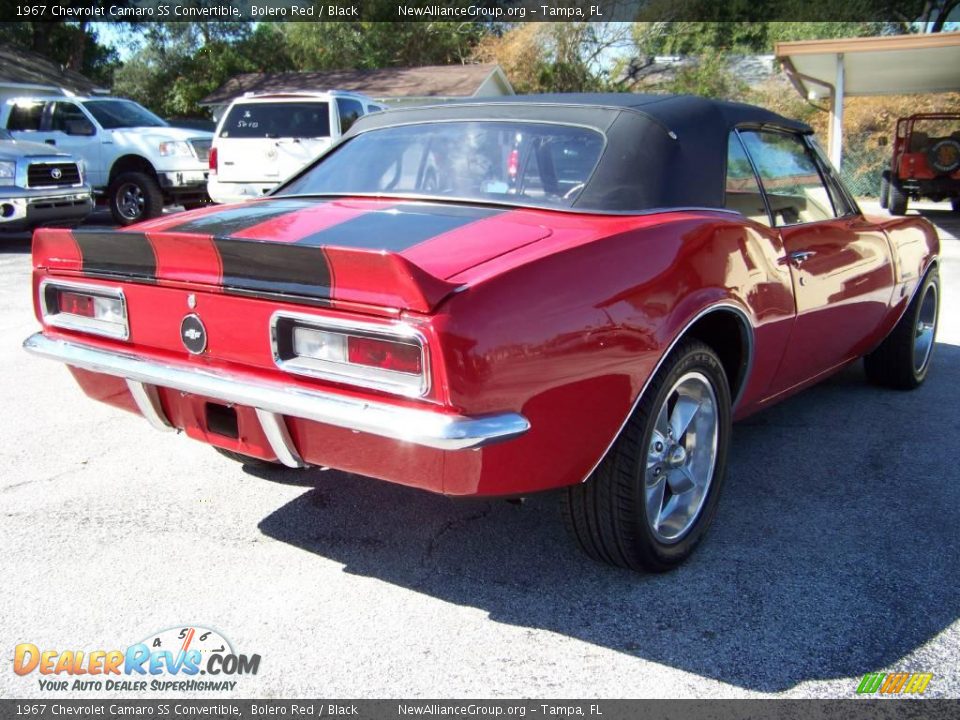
{"x": 499, "y": 298}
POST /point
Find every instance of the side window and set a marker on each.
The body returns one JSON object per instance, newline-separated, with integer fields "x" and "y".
{"x": 791, "y": 179}
{"x": 350, "y": 111}
{"x": 25, "y": 116}
{"x": 69, "y": 119}
{"x": 742, "y": 190}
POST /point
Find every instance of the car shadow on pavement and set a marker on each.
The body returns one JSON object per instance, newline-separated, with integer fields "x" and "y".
{"x": 834, "y": 553}
{"x": 15, "y": 243}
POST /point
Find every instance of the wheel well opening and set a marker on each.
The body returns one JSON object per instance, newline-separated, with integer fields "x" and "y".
{"x": 725, "y": 333}
{"x": 131, "y": 163}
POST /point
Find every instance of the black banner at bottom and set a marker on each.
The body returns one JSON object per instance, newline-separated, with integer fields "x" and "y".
{"x": 482, "y": 709}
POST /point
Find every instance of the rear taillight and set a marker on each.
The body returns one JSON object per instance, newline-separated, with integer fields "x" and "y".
{"x": 73, "y": 303}
{"x": 389, "y": 358}
{"x": 385, "y": 354}
{"x": 86, "y": 308}
{"x": 212, "y": 160}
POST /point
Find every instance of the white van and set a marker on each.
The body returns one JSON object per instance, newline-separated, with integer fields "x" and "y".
{"x": 262, "y": 140}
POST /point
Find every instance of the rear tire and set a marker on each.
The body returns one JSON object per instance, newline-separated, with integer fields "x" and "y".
{"x": 903, "y": 358}
{"x": 133, "y": 197}
{"x": 898, "y": 199}
{"x": 885, "y": 189}
{"x": 653, "y": 496}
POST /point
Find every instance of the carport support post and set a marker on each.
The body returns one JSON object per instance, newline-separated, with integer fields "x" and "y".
{"x": 836, "y": 116}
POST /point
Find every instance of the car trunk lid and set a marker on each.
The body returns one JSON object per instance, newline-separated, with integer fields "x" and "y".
{"x": 389, "y": 253}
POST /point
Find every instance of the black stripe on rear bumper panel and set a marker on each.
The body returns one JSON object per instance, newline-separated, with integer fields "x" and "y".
{"x": 117, "y": 253}
{"x": 274, "y": 267}
{"x": 235, "y": 220}
{"x": 398, "y": 227}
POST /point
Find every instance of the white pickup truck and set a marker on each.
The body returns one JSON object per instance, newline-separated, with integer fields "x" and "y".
{"x": 132, "y": 159}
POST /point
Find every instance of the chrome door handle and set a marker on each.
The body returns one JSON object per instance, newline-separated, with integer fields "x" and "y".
{"x": 799, "y": 257}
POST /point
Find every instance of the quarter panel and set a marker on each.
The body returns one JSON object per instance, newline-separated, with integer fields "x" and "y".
{"x": 570, "y": 338}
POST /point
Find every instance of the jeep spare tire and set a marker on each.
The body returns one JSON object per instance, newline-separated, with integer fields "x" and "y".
{"x": 134, "y": 196}
{"x": 944, "y": 156}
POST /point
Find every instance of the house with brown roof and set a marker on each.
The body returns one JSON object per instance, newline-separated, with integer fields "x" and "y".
{"x": 23, "y": 72}
{"x": 391, "y": 86}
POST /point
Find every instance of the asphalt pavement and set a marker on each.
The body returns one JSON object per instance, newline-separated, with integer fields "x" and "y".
{"x": 835, "y": 552}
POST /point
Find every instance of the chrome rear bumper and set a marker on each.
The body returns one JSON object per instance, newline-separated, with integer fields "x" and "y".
{"x": 271, "y": 398}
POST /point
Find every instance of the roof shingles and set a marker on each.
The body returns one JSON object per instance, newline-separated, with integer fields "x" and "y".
{"x": 449, "y": 81}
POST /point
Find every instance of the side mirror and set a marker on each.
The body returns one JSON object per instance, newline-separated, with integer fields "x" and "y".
{"x": 80, "y": 127}
{"x": 882, "y": 141}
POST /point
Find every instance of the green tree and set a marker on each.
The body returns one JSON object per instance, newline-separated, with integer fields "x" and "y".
{"x": 367, "y": 45}
{"x": 74, "y": 45}
{"x": 178, "y": 64}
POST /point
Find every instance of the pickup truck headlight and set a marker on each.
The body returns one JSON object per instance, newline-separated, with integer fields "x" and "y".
{"x": 86, "y": 308}
{"x": 8, "y": 172}
{"x": 175, "y": 148}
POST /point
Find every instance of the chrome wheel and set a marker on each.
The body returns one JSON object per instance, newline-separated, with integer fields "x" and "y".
{"x": 681, "y": 458}
{"x": 926, "y": 327}
{"x": 130, "y": 201}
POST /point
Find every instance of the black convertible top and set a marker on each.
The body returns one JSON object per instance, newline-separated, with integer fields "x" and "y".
{"x": 662, "y": 151}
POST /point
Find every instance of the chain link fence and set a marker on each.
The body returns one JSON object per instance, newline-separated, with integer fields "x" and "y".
{"x": 864, "y": 159}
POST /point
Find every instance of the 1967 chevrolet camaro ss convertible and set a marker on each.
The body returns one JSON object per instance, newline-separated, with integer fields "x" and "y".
{"x": 498, "y": 298}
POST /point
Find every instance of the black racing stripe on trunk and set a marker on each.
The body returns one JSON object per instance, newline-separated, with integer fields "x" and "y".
{"x": 234, "y": 220}
{"x": 398, "y": 227}
{"x": 126, "y": 254}
{"x": 274, "y": 267}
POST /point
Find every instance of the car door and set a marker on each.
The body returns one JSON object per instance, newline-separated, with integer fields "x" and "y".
{"x": 73, "y": 131}
{"x": 840, "y": 265}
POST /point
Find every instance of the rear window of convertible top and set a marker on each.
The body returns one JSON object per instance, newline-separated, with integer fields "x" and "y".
{"x": 487, "y": 161}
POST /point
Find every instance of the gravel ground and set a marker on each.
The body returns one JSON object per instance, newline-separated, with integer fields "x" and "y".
{"x": 835, "y": 553}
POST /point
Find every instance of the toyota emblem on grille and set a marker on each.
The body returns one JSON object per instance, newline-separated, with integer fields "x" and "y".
{"x": 193, "y": 334}
{"x": 56, "y": 173}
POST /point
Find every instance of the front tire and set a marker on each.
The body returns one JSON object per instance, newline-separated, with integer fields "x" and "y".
{"x": 898, "y": 199}
{"x": 134, "y": 196}
{"x": 652, "y": 498}
{"x": 885, "y": 189}
{"x": 903, "y": 358}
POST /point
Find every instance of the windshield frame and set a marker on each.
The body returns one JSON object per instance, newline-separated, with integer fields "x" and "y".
{"x": 506, "y": 201}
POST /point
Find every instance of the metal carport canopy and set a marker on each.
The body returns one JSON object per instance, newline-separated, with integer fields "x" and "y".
{"x": 891, "y": 65}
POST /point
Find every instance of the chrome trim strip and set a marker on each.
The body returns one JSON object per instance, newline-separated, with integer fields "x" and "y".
{"x": 147, "y": 399}
{"x": 420, "y": 426}
{"x": 748, "y": 366}
{"x": 275, "y": 428}
{"x": 52, "y": 317}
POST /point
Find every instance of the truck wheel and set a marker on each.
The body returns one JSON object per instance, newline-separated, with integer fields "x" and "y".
{"x": 134, "y": 196}
{"x": 903, "y": 358}
{"x": 897, "y": 202}
{"x": 885, "y": 189}
{"x": 650, "y": 501}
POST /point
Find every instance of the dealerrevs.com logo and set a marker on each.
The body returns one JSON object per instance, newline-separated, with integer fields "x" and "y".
{"x": 171, "y": 660}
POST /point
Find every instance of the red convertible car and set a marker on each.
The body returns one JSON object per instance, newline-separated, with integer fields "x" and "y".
{"x": 499, "y": 298}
